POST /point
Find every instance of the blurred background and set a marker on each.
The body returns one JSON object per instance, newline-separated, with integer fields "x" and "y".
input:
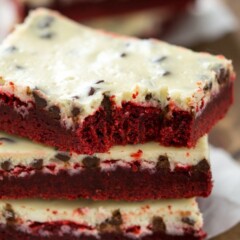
{"x": 202, "y": 25}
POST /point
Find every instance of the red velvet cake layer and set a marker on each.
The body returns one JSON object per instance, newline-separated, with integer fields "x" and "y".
{"x": 121, "y": 183}
{"x": 110, "y": 126}
{"x": 82, "y": 10}
{"x": 9, "y": 233}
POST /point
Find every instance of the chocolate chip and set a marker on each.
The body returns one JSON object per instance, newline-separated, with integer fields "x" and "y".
{"x": 54, "y": 112}
{"x": 6, "y": 165}
{"x": 188, "y": 221}
{"x": 91, "y": 91}
{"x": 19, "y": 67}
{"x": 123, "y": 55}
{"x": 203, "y": 166}
{"x": 63, "y": 156}
{"x": 207, "y": 87}
{"x": 107, "y": 106}
{"x": 75, "y": 97}
{"x": 113, "y": 224}
{"x": 160, "y": 59}
{"x": 48, "y": 35}
{"x": 12, "y": 49}
{"x": 75, "y": 111}
{"x": 37, "y": 164}
{"x": 9, "y": 214}
{"x": 40, "y": 102}
{"x": 222, "y": 74}
{"x": 91, "y": 162}
{"x": 158, "y": 224}
{"x": 163, "y": 162}
{"x": 5, "y": 139}
{"x": 148, "y": 97}
{"x": 45, "y": 22}
{"x": 100, "y": 81}
{"x": 166, "y": 73}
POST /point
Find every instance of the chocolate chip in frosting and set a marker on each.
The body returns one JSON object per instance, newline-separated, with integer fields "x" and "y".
{"x": 123, "y": 55}
{"x": 166, "y": 73}
{"x": 148, "y": 97}
{"x": 100, "y": 81}
{"x": 63, "y": 156}
{"x": 54, "y": 112}
{"x": 9, "y": 214}
{"x": 75, "y": 111}
{"x": 160, "y": 59}
{"x": 91, "y": 91}
{"x": 158, "y": 224}
{"x": 47, "y": 35}
{"x": 188, "y": 221}
{"x": 207, "y": 87}
{"x": 163, "y": 162}
{"x": 11, "y": 49}
{"x": 19, "y": 67}
{"x": 45, "y": 22}
{"x": 112, "y": 224}
{"x": 8, "y": 140}
{"x": 202, "y": 166}
{"x": 39, "y": 101}
{"x": 37, "y": 164}
{"x": 6, "y": 165}
{"x": 91, "y": 162}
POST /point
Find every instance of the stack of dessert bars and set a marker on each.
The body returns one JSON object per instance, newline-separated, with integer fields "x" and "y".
{"x": 124, "y": 123}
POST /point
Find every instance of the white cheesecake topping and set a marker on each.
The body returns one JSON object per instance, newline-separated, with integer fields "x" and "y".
{"x": 78, "y": 66}
{"x": 16, "y": 152}
{"x": 176, "y": 215}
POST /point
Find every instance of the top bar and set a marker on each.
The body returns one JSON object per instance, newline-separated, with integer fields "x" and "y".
{"x": 84, "y": 90}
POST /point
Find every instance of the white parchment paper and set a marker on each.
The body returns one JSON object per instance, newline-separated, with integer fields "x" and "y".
{"x": 221, "y": 210}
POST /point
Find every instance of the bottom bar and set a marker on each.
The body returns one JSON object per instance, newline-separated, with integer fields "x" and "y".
{"x": 82, "y": 219}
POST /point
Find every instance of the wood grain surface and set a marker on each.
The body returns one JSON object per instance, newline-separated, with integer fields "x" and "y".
{"x": 226, "y": 134}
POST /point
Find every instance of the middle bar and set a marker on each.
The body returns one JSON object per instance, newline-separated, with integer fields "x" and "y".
{"x": 132, "y": 172}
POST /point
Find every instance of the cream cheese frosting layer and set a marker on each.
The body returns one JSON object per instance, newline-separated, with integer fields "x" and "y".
{"x": 78, "y": 66}
{"x": 22, "y": 152}
{"x": 176, "y": 215}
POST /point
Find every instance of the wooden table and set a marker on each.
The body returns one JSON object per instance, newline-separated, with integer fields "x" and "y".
{"x": 227, "y": 132}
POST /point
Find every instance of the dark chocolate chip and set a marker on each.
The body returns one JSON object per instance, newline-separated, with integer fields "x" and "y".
{"x": 54, "y": 112}
{"x": 166, "y": 73}
{"x": 188, "y": 221}
{"x": 45, "y": 22}
{"x": 48, "y": 35}
{"x": 163, "y": 162}
{"x": 207, "y": 87}
{"x": 19, "y": 67}
{"x": 158, "y": 224}
{"x": 75, "y": 97}
{"x": 107, "y": 106}
{"x": 75, "y": 111}
{"x": 100, "y": 81}
{"x": 123, "y": 55}
{"x": 113, "y": 224}
{"x": 11, "y": 49}
{"x": 39, "y": 101}
{"x": 37, "y": 164}
{"x": 9, "y": 214}
{"x": 5, "y": 139}
{"x": 148, "y": 97}
{"x": 63, "y": 156}
{"x": 91, "y": 162}
{"x": 91, "y": 91}
{"x": 6, "y": 165}
{"x": 203, "y": 166}
{"x": 160, "y": 59}
{"x": 222, "y": 74}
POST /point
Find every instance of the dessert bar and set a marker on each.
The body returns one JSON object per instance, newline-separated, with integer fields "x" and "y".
{"x": 131, "y": 172}
{"x": 85, "y": 90}
{"x": 87, "y": 220}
